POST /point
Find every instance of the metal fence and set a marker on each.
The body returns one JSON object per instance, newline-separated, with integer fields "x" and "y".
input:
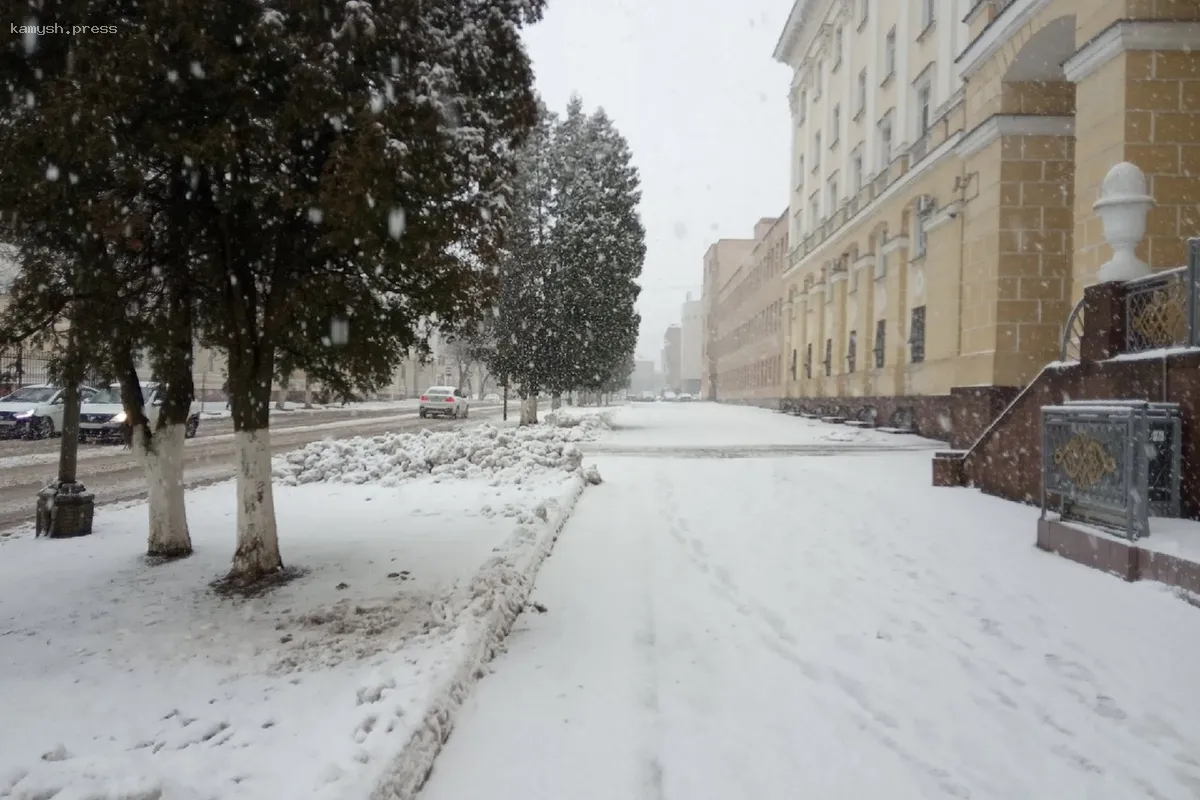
{"x": 1101, "y": 460}
{"x": 23, "y": 367}
{"x": 1161, "y": 309}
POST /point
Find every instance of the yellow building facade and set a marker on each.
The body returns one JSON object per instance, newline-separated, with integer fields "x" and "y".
{"x": 946, "y": 157}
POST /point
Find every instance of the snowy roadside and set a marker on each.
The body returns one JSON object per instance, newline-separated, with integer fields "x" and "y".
{"x": 131, "y": 680}
{"x": 215, "y": 410}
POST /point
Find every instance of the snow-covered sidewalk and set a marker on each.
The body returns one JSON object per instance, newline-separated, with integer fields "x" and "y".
{"x": 829, "y": 627}
{"x": 119, "y": 679}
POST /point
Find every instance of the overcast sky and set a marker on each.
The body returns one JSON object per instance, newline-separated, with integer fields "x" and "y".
{"x": 692, "y": 86}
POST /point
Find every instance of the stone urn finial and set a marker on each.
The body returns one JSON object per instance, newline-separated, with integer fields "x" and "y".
{"x": 1123, "y": 205}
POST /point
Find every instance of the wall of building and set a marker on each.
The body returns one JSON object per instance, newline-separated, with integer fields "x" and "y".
{"x": 691, "y": 344}
{"x": 672, "y": 357}
{"x": 957, "y": 258}
{"x": 749, "y": 313}
{"x": 720, "y": 262}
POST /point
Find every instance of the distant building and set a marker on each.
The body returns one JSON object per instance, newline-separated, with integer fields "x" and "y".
{"x": 720, "y": 262}
{"x": 691, "y": 345}
{"x": 646, "y": 378}
{"x": 672, "y": 341}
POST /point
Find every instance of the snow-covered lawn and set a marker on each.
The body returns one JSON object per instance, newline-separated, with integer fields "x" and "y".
{"x": 822, "y": 626}
{"x": 119, "y": 679}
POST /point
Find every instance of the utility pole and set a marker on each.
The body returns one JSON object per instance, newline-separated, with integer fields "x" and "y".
{"x": 65, "y": 508}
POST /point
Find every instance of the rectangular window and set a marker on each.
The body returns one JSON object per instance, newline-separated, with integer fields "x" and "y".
{"x": 828, "y": 357}
{"x": 864, "y": 11}
{"x": 885, "y": 144}
{"x": 928, "y": 13}
{"x": 924, "y": 112}
{"x": 794, "y": 354}
{"x": 889, "y": 54}
{"x": 814, "y": 208}
{"x": 816, "y": 151}
{"x": 808, "y": 361}
{"x": 837, "y": 49}
{"x": 856, "y": 169}
{"x": 803, "y": 107}
{"x": 916, "y": 337}
{"x": 880, "y": 343}
{"x": 837, "y": 125}
{"x": 862, "y": 91}
{"x": 920, "y": 240}
{"x": 800, "y": 169}
{"x": 833, "y": 195}
{"x": 852, "y": 352}
{"x": 820, "y": 79}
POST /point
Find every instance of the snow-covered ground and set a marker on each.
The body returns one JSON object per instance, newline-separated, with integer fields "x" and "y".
{"x": 826, "y": 627}
{"x": 123, "y": 680}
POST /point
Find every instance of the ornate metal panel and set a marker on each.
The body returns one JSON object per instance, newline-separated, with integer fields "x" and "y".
{"x": 1096, "y": 461}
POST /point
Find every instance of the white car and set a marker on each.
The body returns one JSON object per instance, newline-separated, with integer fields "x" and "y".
{"x": 444, "y": 401}
{"x": 491, "y": 398}
{"x": 102, "y": 418}
{"x": 35, "y": 411}
{"x": 669, "y": 397}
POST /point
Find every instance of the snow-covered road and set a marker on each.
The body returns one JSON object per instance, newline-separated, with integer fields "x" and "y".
{"x": 803, "y": 625}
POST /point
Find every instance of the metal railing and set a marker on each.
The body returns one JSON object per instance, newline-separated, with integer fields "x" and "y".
{"x": 23, "y": 367}
{"x": 1161, "y": 309}
{"x": 1112, "y": 463}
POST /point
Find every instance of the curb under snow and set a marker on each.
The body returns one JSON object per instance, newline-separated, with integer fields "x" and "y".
{"x": 498, "y": 594}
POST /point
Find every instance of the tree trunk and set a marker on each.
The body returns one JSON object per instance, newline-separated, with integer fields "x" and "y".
{"x": 257, "y": 553}
{"x": 556, "y": 401}
{"x": 161, "y": 456}
{"x": 529, "y": 408}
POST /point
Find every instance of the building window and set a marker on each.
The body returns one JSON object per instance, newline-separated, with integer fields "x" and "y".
{"x": 816, "y": 151}
{"x": 833, "y": 194}
{"x": 889, "y": 55}
{"x": 916, "y": 337}
{"x": 880, "y": 343}
{"x": 920, "y": 238}
{"x": 864, "y": 11}
{"x": 828, "y": 357}
{"x": 814, "y": 208}
{"x": 837, "y": 126}
{"x": 800, "y": 172}
{"x": 885, "y": 143}
{"x": 820, "y": 79}
{"x": 852, "y": 352}
{"x": 808, "y": 361}
{"x": 837, "y": 49}
{"x": 924, "y": 110}
{"x": 794, "y": 354}
{"x": 928, "y": 13}
{"x": 856, "y": 169}
{"x": 802, "y": 107}
{"x": 862, "y": 92}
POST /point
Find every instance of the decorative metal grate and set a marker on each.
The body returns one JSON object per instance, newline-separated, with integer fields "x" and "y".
{"x": 21, "y": 367}
{"x": 1161, "y": 309}
{"x": 1096, "y": 460}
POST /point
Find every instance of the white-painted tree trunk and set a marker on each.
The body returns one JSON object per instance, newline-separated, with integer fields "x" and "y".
{"x": 529, "y": 410}
{"x": 162, "y": 461}
{"x": 257, "y": 536}
{"x": 555, "y": 401}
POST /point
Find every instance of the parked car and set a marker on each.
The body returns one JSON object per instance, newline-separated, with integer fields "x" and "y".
{"x": 669, "y": 397}
{"x": 491, "y": 398}
{"x": 102, "y": 418}
{"x": 35, "y": 411}
{"x": 685, "y": 397}
{"x": 444, "y": 401}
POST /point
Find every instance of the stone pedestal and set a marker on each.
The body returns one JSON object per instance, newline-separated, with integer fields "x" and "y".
{"x": 65, "y": 511}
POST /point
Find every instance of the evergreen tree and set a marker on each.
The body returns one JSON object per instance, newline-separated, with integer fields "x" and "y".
{"x": 340, "y": 165}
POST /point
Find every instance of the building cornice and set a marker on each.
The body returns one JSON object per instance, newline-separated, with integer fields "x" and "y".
{"x": 999, "y": 125}
{"x": 1131, "y": 35}
{"x": 799, "y": 31}
{"x": 943, "y": 216}
{"x": 997, "y": 34}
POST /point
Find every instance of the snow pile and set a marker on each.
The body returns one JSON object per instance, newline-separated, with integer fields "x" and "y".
{"x": 505, "y": 455}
